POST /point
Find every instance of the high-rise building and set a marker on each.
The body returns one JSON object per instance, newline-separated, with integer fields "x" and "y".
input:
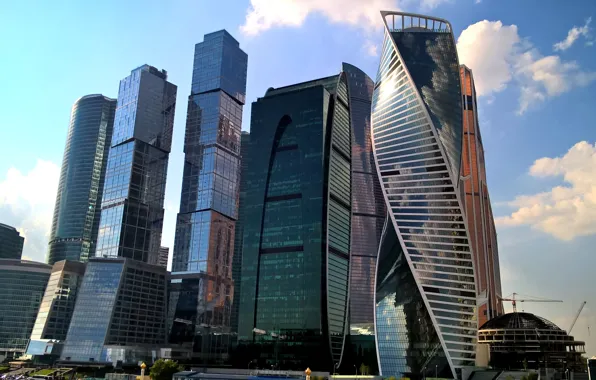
{"x": 481, "y": 224}
{"x": 368, "y": 216}
{"x": 135, "y": 181}
{"x": 78, "y": 201}
{"x": 202, "y": 289}
{"x": 11, "y": 243}
{"x": 22, "y": 285}
{"x": 119, "y": 314}
{"x": 55, "y": 311}
{"x": 162, "y": 259}
{"x": 426, "y": 315}
{"x": 297, "y": 212}
{"x": 239, "y": 232}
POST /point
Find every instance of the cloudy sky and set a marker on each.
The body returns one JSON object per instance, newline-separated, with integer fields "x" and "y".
{"x": 533, "y": 61}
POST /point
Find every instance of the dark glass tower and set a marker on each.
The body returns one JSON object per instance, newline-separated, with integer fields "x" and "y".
{"x": 297, "y": 212}
{"x": 11, "y": 243}
{"x": 426, "y": 316}
{"x": 133, "y": 194}
{"x": 202, "y": 287}
{"x": 78, "y": 202}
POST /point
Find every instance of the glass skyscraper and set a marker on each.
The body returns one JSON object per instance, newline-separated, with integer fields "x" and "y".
{"x": 481, "y": 224}
{"x": 133, "y": 193}
{"x": 11, "y": 243}
{"x": 426, "y": 315}
{"x": 78, "y": 201}
{"x": 119, "y": 314}
{"x": 22, "y": 285}
{"x": 202, "y": 287}
{"x": 297, "y": 213}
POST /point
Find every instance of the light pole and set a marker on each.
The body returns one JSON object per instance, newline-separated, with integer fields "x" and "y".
{"x": 356, "y": 369}
{"x": 424, "y": 373}
{"x": 435, "y": 371}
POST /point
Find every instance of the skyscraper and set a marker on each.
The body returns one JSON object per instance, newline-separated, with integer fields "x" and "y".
{"x": 202, "y": 288}
{"x": 78, "y": 201}
{"x": 426, "y": 316}
{"x": 133, "y": 194}
{"x": 297, "y": 212}
{"x": 368, "y": 216}
{"x": 481, "y": 224}
{"x": 11, "y": 243}
{"x": 162, "y": 260}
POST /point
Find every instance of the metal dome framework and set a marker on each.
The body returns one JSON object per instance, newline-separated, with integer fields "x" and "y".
{"x": 515, "y": 337}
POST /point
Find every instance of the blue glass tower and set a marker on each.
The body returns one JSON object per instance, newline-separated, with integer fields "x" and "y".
{"x": 78, "y": 202}
{"x": 426, "y": 316}
{"x": 135, "y": 182}
{"x": 202, "y": 287}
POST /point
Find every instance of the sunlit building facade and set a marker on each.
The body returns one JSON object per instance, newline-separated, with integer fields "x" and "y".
{"x": 426, "y": 315}
{"x": 202, "y": 287}
{"x": 78, "y": 200}
{"x": 481, "y": 224}
{"x": 135, "y": 181}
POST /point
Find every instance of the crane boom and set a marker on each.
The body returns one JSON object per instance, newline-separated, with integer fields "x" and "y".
{"x": 576, "y": 317}
{"x": 514, "y": 301}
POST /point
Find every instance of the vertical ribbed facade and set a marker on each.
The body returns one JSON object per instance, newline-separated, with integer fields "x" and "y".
{"x": 481, "y": 224}
{"x": 135, "y": 181}
{"x": 78, "y": 201}
{"x": 426, "y": 317}
{"x": 202, "y": 287}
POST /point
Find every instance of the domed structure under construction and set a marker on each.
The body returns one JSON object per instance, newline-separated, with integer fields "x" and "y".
{"x": 519, "y": 340}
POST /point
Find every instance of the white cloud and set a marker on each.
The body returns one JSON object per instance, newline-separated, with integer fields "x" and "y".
{"x": 499, "y": 57}
{"x": 27, "y": 203}
{"x": 566, "y": 211}
{"x": 267, "y": 14}
{"x": 572, "y": 36}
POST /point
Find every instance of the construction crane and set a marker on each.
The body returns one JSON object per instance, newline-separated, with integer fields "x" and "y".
{"x": 576, "y": 317}
{"x": 514, "y": 301}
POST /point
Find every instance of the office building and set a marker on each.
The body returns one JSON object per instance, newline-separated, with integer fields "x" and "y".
{"x": 481, "y": 224}
{"x": 135, "y": 181}
{"x": 119, "y": 314}
{"x": 78, "y": 201}
{"x": 22, "y": 285}
{"x": 239, "y": 231}
{"x": 162, "y": 259}
{"x": 202, "y": 290}
{"x": 11, "y": 243}
{"x": 426, "y": 316}
{"x": 55, "y": 311}
{"x": 297, "y": 212}
{"x": 368, "y": 216}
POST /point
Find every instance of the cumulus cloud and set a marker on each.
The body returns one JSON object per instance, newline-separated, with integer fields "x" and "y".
{"x": 27, "y": 203}
{"x": 371, "y": 48}
{"x": 499, "y": 57}
{"x": 573, "y": 34}
{"x": 568, "y": 210}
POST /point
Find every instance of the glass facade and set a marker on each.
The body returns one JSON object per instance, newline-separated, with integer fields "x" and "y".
{"x": 133, "y": 193}
{"x": 22, "y": 285}
{"x": 11, "y": 243}
{"x": 417, "y": 132}
{"x": 368, "y": 207}
{"x": 164, "y": 253}
{"x": 78, "y": 201}
{"x": 58, "y": 301}
{"x": 296, "y": 229}
{"x": 481, "y": 224}
{"x": 204, "y": 242}
{"x": 121, "y": 306}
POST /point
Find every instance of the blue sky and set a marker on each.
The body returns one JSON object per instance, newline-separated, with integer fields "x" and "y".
{"x": 533, "y": 61}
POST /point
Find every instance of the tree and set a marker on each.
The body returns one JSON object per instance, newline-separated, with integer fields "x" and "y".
{"x": 164, "y": 369}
